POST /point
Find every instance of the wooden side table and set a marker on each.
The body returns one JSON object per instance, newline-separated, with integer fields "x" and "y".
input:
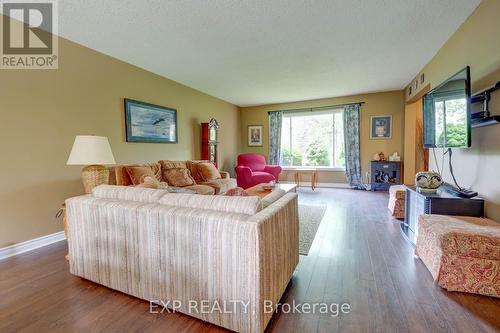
{"x": 311, "y": 172}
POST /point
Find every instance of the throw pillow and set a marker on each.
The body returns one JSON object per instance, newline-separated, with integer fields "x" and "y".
{"x": 179, "y": 177}
{"x": 208, "y": 171}
{"x": 138, "y": 173}
{"x": 193, "y": 168}
{"x": 236, "y": 192}
{"x": 152, "y": 182}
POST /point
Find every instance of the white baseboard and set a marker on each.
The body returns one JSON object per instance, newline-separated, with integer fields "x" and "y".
{"x": 31, "y": 244}
{"x": 327, "y": 185}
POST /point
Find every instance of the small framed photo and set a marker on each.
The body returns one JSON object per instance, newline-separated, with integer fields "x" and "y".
{"x": 255, "y": 135}
{"x": 381, "y": 127}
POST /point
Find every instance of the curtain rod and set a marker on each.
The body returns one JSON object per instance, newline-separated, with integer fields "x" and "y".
{"x": 315, "y": 108}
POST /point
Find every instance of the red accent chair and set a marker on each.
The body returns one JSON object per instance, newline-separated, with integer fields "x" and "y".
{"x": 252, "y": 170}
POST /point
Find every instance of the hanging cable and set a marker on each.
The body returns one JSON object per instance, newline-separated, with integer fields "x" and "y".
{"x": 442, "y": 162}
{"x": 435, "y": 159}
{"x": 451, "y": 168}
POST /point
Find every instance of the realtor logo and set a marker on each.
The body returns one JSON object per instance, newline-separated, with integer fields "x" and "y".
{"x": 29, "y": 34}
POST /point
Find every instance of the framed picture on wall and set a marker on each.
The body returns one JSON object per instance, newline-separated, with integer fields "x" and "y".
{"x": 381, "y": 127}
{"x": 146, "y": 122}
{"x": 255, "y": 135}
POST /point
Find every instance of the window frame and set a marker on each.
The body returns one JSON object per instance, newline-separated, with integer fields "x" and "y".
{"x": 331, "y": 112}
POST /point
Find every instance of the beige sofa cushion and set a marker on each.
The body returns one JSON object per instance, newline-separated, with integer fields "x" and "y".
{"x": 221, "y": 185}
{"x": 129, "y": 193}
{"x": 201, "y": 189}
{"x": 242, "y": 205}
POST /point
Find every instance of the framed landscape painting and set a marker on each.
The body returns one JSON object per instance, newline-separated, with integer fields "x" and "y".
{"x": 255, "y": 135}
{"x": 146, "y": 122}
{"x": 381, "y": 127}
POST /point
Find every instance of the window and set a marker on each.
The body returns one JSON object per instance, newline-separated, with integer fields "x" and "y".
{"x": 451, "y": 121}
{"x": 313, "y": 139}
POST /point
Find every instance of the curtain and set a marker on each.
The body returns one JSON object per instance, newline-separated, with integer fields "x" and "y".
{"x": 352, "y": 148}
{"x": 275, "y": 119}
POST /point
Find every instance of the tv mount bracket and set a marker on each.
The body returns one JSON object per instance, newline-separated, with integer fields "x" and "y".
{"x": 484, "y": 97}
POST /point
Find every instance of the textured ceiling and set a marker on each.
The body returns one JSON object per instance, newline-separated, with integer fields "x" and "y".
{"x": 261, "y": 51}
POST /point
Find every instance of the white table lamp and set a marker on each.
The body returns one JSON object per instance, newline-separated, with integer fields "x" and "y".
{"x": 94, "y": 152}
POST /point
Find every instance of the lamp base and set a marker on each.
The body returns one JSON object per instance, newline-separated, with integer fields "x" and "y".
{"x": 94, "y": 175}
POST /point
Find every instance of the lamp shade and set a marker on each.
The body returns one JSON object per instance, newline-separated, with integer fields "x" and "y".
{"x": 88, "y": 149}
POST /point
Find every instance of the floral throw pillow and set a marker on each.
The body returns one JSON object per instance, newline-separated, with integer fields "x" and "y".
{"x": 208, "y": 171}
{"x": 236, "y": 192}
{"x": 179, "y": 177}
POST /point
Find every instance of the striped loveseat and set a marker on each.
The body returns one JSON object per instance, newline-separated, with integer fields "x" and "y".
{"x": 188, "y": 250}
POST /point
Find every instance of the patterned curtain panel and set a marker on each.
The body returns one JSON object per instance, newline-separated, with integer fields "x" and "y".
{"x": 352, "y": 150}
{"x": 275, "y": 119}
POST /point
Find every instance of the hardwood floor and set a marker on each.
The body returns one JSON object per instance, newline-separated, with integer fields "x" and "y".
{"x": 358, "y": 257}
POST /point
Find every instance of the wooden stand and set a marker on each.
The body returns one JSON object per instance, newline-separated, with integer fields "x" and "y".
{"x": 384, "y": 174}
{"x": 311, "y": 172}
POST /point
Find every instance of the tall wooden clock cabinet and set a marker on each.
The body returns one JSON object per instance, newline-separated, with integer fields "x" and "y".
{"x": 209, "y": 140}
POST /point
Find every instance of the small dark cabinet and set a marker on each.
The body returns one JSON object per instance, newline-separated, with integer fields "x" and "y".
{"x": 385, "y": 174}
{"x": 442, "y": 202}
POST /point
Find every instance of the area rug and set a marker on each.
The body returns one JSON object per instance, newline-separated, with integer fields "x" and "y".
{"x": 309, "y": 219}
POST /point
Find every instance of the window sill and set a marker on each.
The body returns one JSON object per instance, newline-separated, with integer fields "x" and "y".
{"x": 331, "y": 169}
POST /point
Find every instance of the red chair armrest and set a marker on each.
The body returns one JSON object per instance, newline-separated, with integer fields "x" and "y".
{"x": 243, "y": 170}
{"x": 272, "y": 169}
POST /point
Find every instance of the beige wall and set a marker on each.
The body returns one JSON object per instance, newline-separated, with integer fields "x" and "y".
{"x": 477, "y": 44}
{"x": 386, "y": 103}
{"x": 42, "y": 111}
{"x": 415, "y": 154}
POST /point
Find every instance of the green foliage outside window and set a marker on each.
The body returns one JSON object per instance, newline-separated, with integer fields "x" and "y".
{"x": 456, "y": 135}
{"x": 317, "y": 154}
{"x": 290, "y": 158}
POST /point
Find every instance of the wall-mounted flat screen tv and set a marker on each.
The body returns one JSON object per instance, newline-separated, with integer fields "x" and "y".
{"x": 447, "y": 113}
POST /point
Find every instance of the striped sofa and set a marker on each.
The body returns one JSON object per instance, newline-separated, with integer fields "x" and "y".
{"x": 187, "y": 248}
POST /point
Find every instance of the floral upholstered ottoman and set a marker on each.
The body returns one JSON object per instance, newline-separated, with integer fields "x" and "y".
{"x": 462, "y": 253}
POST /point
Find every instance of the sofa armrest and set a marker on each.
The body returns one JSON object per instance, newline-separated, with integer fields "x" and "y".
{"x": 278, "y": 239}
{"x": 225, "y": 174}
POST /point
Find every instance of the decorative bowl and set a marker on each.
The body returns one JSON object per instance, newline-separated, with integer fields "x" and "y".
{"x": 428, "y": 181}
